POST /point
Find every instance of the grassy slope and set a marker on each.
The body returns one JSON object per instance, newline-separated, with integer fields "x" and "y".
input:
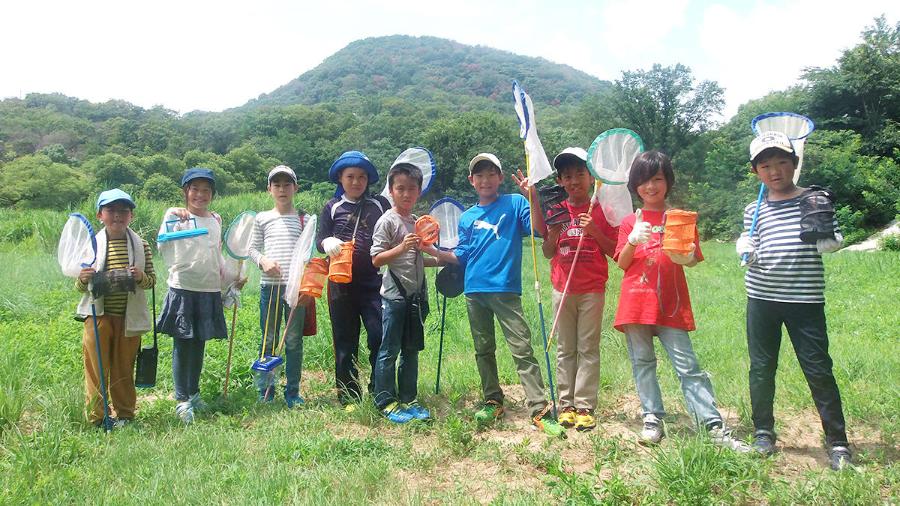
{"x": 242, "y": 452}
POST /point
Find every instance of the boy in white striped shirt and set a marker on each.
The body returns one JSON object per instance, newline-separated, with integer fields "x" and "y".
{"x": 785, "y": 284}
{"x": 274, "y": 235}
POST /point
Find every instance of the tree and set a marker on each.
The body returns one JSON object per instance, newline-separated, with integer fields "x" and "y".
{"x": 36, "y": 181}
{"x": 162, "y": 188}
{"x": 664, "y": 105}
{"x": 862, "y": 92}
{"x": 113, "y": 170}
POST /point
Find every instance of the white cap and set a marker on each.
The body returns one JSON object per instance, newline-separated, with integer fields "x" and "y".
{"x": 484, "y": 156}
{"x": 283, "y": 169}
{"x": 569, "y": 153}
{"x": 770, "y": 139}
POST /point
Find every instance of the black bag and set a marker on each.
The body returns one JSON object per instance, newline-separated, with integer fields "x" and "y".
{"x": 816, "y": 214}
{"x": 414, "y": 321}
{"x": 145, "y": 366}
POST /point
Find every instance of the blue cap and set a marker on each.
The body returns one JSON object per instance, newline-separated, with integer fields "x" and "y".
{"x": 110, "y": 196}
{"x": 198, "y": 173}
{"x": 352, "y": 159}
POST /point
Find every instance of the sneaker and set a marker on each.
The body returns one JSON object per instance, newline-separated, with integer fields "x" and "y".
{"x": 652, "y": 433}
{"x": 418, "y": 411}
{"x": 840, "y": 457}
{"x": 490, "y": 412}
{"x": 197, "y": 402}
{"x": 584, "y": 420}
{"x": 764, "y": 443}
{"x": 721, "y": 436}
{"x": 546, "y": 422}
{"x": 120, "y": 423}
{"x": 349, "y": 408}
{"x": 185, "y": 412}
{"x": 566, "y": 417}
{"x": 294, "y": 401}
{"x": 395, "y": 413}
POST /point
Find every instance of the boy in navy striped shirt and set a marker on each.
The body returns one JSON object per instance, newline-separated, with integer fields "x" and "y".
{"x": 785, "y": 284}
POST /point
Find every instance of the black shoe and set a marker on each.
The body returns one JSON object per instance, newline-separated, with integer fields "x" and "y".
{"x": 840, "y": 457}
{"x": 764, "y": 443}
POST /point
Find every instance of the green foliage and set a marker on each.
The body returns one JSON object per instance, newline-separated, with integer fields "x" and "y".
{"x": 36, "y": 181}
{"x": 890, "y": 242}
{"x": 160, "y": 187}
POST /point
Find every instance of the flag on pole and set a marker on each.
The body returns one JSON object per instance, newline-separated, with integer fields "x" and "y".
{"x": 538, "y": 165}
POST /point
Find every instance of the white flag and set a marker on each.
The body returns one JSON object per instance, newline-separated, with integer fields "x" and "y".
{"x": 538, "y": 165}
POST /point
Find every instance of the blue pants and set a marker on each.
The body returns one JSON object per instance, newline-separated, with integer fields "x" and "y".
{"x": 695, "y": 384}
{"x": 187, "y": 363}
{"x": 276, "y": 313}
{"x": 407, "y": 372}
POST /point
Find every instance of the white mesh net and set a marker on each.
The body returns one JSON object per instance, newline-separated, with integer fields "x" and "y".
{"x": 239, "y": 235}
{"x": 76, "y": 248}
{"x": 609, "y": 160}
{"x": 303, "y": 251}
{"x": 447, "y": 212}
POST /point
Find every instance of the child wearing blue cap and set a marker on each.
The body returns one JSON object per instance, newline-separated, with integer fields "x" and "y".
{"x": 124, "y": 270}
{"x": 351, "y": 216}
{"x": 192, "y": 311}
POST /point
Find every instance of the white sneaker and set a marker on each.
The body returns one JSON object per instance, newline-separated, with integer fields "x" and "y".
{"x": 652, "y": 433}
{"x": 185, "y": 412}
{"x": 722, "y": 437}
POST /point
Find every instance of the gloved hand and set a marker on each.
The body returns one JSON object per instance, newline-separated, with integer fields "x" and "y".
{"x": 232, "y": 296}
{"x": 332, "y": 246}
{"x": 682, "y": 259}
{"x": 641, "y": 232}
{"x": 744, "y": 245}
{"x": 828, "y": 245}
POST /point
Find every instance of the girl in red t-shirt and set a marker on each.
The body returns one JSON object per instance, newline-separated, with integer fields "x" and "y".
{"x": 655, "y": 301}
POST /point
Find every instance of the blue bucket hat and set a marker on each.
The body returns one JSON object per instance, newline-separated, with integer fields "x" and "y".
{"x": 198, "y": 173}
{"x": 351, "y": 159}
{"x": 110, "y": 196}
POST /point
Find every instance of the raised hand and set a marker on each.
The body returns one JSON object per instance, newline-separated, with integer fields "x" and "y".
{"x": 641, "y": 232}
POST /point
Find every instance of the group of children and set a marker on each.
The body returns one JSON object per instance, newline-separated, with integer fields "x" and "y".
{"x": 785, "y": 281}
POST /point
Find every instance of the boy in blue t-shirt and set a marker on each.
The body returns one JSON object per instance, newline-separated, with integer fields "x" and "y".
{"x": 490, "y": 250}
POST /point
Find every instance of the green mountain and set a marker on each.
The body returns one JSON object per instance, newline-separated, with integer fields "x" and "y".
{"x": 430, "y": 68}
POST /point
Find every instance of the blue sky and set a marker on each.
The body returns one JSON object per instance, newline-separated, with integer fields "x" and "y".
{"x": 187, "y": 55}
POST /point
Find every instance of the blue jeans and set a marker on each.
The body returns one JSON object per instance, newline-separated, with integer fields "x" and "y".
{"x": 187, "y": 363}
{"x": 407, "y": 372}
{"x": 695, "y": 384}
{"x": 279, "y": 313}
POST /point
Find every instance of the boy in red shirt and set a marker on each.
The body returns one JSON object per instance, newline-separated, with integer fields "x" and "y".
{"x": 581, "y": 318}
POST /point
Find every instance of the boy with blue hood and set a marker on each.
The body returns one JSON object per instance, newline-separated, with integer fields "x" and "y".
{"x": 351, "y": 216}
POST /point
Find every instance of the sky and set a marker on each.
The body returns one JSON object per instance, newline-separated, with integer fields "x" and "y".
{"x": 212, "y": 55}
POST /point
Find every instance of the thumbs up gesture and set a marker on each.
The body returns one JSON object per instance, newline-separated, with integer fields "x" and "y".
{"x": 641, "y": 232}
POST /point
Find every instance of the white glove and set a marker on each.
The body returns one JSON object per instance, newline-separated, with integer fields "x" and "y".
{"x": 332, "y": 246}
{"x": 231, "y": 297}
{"x": 641, "y": 232}
{"x": 678, "y": 258}
{"x": 744, "y": 245}
{"x": 829, "y": 245}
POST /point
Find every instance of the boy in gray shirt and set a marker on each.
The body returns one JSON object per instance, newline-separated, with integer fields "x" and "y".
{"x": 404, "y": 299}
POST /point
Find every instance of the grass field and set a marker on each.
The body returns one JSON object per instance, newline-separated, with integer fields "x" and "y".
{"x": 241, "y": 452}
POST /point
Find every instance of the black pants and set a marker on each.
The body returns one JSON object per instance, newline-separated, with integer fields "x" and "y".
{"x": 348, "y": 303}
{"x": 806, "y": 327}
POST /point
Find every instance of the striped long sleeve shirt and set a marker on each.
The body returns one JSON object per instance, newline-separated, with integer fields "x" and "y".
{"x": 783, "y": 268}
{"x": 274, "y": 237}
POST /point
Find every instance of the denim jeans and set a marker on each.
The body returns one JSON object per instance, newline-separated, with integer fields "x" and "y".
{"x": 407, "y": 371}
{"x": 187, "y": 363}
{"x": 276, "y": 314}
{"x": 695, "y": 384}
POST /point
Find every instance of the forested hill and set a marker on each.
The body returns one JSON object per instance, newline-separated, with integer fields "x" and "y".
{"x": 430, "y": 68}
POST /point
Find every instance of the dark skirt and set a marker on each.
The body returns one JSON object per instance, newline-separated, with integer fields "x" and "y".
{"x": 192, "y": 315}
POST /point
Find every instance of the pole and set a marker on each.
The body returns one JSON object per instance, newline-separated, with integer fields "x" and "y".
{"x": 437, "y": 384}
